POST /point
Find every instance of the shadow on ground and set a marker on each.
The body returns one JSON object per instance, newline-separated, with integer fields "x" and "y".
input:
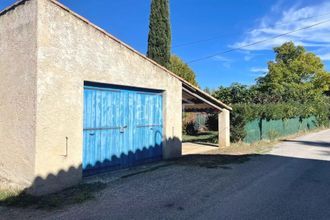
{"x": 310, "y": 143}
{"x": 76, "y": 194}
{"x": 212, "y": 161}
{"x": 83, "y": 192}
{"x": 34, "y": 196}
{"x": 198, "y": 185}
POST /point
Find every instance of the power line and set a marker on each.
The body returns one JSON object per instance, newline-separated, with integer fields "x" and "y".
{"x": 259, "y": 42}
{"x": 222, "y": 35}
{"x": 203, "y": 40}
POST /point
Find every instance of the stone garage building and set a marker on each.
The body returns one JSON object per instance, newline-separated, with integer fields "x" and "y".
{"x": 75, "y": 100}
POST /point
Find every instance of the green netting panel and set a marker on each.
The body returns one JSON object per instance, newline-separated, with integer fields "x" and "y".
{"x": 201, "y": 120}
{"x": 271, "y": 129}
{"x": 252, "y": 130}
{"x": 258, "y": 129}
{"x": 309, "y": 123}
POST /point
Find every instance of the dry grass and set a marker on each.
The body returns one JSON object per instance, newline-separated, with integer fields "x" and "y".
{"x": 212, "y": 161}
{"x": 70, "y": 196}
{"x": 261, "y": 147}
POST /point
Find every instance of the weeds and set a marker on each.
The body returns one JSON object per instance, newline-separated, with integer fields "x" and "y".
{"x": 70, "y": 196}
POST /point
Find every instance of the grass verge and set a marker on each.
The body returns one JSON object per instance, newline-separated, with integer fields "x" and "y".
{"x": 212, "y": 161}
{"x": 260, "y": 147}
{"x": 203, "y": 137}
{"x": 241, "y": 148}
{"x": 235, "y": 154}
{"x": 70, "y": 196}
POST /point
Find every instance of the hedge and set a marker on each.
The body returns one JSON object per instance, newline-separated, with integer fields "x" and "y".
{"x": 242, "y": 114}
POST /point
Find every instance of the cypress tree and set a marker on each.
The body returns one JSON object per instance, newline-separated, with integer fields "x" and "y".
{"x": 159, "y": 39}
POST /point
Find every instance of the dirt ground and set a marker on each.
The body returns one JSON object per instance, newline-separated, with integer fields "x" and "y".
{"x": 289, "y": 180}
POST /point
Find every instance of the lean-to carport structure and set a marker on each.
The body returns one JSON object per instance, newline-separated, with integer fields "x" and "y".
{"x": 196, "y": 100}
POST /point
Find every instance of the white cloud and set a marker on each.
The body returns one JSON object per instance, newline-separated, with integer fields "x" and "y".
{"x": 222, "y": 58}
{"x": 258, "y": 70}
{"x": 289, "y": 20}
{"x": 248, "y": 57}
{"x": 325, "y": 57}
{"x": 278, "y": 6}
{"x": 226, "y": 62}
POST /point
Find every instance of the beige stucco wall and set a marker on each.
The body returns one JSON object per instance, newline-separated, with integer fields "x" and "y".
{"x": 17, "y": 95}
{"x": 224, "y": 128}
{"x": 70, "y": 52}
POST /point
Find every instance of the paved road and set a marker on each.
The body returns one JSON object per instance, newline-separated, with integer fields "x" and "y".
{"x": 193, "y": 148}
{"x": 291, "y": 182}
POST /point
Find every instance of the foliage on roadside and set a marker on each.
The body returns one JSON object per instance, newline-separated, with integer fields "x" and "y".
{"x": 296, "y": 75}
{"x": 236, "y": 93}
{"x": 295, "y": 85}
{"x": 212, "y": 122}
{"x": 244, "y": 113}
{"x": 180, "y": 68}
{"x": 189, "y": 128}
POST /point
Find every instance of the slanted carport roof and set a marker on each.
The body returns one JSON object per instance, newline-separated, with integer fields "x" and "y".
{"x": 196, "y": 100}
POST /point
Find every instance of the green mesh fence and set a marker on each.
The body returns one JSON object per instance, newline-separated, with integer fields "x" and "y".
{"x": 201, "y": 120}
{"x": 262, "y": 129}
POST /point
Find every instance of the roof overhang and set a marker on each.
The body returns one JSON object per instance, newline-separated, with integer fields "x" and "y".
{"x": 196, "y": 100}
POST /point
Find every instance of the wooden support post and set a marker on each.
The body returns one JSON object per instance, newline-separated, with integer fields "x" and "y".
{"x": 224, "y": 128}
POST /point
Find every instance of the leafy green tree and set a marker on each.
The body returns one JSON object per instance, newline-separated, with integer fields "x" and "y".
{"x": 159, "y": 39}
{"x": 296, "y": 85}
{"x": 182, "y": 69}
{"x": 236, "y": 93}
{"x": 295, "y": 75}
{"x": 208, "y": 90}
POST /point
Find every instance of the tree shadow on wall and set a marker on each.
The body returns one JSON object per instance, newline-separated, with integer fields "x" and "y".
{"x": 209, "y": 167}
{"x": 36, "y": 196}
{"x": 81, "y": 192}
{"x": 29, "y": 198}
{"x": 67, "y": 184}
{"x": 127, "y": 158}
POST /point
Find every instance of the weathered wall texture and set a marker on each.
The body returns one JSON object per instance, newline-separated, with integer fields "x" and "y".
{"x": 224, "y": 128}
{"x": 70, "y": 52}
{"x": 17, "y": 94}
{"x": 46, "y": 54}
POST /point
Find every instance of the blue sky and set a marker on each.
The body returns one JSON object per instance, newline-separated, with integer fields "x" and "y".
{"x": 221, "y": 25}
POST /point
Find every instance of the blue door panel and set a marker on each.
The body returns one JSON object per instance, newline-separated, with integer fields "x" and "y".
{"x": 122, "y": 128}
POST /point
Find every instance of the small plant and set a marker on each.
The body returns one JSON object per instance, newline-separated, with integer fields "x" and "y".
{"x": 273, "y": 135}
{"x": 212, "y": 122}
{"x": 190, "y": 128}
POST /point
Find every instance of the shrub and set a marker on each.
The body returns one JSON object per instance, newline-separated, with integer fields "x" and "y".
{"x": 190, "y": 128}
{"x": 244, "y": 113}
{"x": 212, "y": 122}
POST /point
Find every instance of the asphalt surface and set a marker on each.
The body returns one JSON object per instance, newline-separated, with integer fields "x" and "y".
{"x": 291, "y": 182}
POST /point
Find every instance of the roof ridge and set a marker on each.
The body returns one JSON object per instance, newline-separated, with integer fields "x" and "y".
{"x": 11, "y": 7}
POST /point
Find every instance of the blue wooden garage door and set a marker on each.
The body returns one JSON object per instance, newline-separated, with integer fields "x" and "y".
{"x": 122, "y": 128}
